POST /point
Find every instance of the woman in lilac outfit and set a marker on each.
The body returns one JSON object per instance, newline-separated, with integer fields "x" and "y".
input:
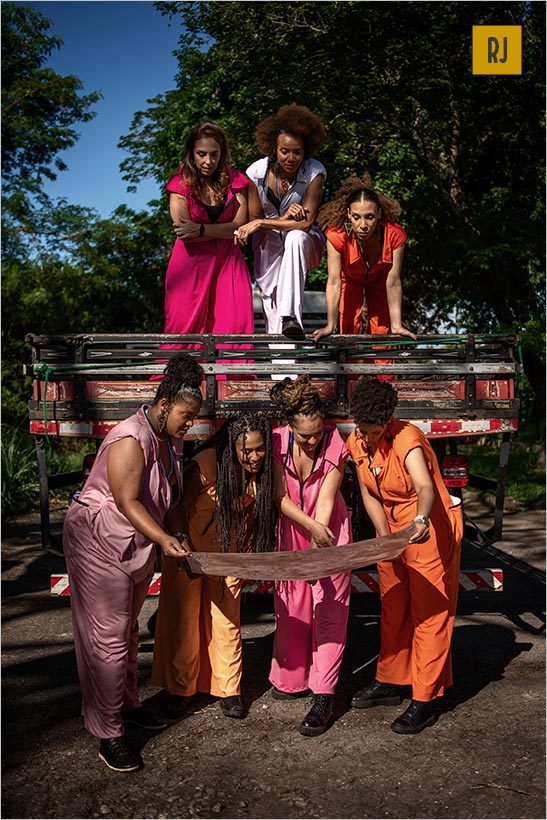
{"x": 311, "y": 616}
{"x": 111, "y": 529}
{"x": 207, "y": 285}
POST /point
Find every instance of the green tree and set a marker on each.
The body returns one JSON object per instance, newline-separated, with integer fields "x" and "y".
{"x": 39, "y": 107}
{"x": 392, "y": 82}
{"x": 64, "y": 269}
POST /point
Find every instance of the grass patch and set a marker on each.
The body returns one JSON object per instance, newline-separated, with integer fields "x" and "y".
{"x": 20, "y": 482}
{"x": 525, "y": 475}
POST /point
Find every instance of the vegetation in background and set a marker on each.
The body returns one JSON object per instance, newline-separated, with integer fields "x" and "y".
{"x": 463, "y": 154}
{"x": 526, "y": 470}
{"x": 20, "y": 484}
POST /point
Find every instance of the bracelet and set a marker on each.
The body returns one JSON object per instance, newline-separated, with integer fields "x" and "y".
{"x": 201, "y": 229}
{"x": 423, "y": 519}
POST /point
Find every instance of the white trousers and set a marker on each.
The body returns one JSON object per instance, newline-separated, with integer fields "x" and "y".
{"x": 282, "y": 261}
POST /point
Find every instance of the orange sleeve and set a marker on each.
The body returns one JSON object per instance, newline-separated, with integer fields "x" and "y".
{"x": 336, "y": 237}
{"x": 406, "y": 439}
{"x": 351, "y": 444}
{"x": 398, "y": 235}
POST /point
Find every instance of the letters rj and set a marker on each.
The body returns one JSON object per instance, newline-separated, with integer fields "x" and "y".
{"x": 494, "y": 47}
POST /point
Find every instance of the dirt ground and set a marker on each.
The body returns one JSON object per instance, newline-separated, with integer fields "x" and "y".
{"x": 485, "y": 756}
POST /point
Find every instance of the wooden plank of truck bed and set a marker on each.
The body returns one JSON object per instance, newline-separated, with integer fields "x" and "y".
{"x": 91, "y": 381}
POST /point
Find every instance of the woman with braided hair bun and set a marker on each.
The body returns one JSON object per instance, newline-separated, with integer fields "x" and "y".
{"x": 227, "y": 507}
{"x": 110, "y": 533}
{"x": 311, "y": 616}
{"x": 365, "y": 247}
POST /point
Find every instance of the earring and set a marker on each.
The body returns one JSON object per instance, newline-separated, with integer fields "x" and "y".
{"x": 347, "y": 227}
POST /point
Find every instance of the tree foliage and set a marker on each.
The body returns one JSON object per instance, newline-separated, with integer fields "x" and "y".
{"x": 39, "y": 107}
{"x": 392, "y": 82}
{"x": 63, "y": 268}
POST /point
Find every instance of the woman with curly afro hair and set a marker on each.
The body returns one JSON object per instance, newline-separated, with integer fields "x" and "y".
{"x": 285, "y": 192}
{"x": 311, "y": 616}
{"x": 365, "y": 246}
{"x": 128, "y": 504}
{"x": 401, "y": 483}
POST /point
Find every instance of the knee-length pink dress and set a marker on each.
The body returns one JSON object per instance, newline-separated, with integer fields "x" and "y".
{"x": 207, "y": 284}
{"x": 311, "y": 620}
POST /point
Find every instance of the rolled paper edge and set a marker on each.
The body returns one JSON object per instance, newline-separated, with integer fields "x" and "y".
{"x": 301, "y": 565}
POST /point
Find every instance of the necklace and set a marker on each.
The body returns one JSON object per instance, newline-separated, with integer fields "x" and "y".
{"x": 281, "y": 182}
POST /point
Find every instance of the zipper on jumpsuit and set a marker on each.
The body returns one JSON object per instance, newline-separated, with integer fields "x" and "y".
{"x": 315, "y": 458}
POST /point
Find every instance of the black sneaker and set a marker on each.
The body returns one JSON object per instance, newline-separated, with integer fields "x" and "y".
{"x": 278, "y": 694}
{"x": 144, "y": 718}
{"x": 232, "y": 706}
{"x": 415, "y": 718}
{"x": 377, "y": 694}
{"x": 118, "y": 756}
{"x": 319, "y": 718}
{"x": 291, "y": 329}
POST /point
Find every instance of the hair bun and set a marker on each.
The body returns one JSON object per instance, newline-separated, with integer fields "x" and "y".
{"x": 184, "y": 370}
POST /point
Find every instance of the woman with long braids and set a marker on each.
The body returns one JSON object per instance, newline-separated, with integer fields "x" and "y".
{"x": 365, "y": 247}
{"x": 401, "y": 483}
{"x": 227, "y": 507}
{"x": 311, "y": 617}
{"x": 285, "y": 192}
{"x": 207, "y": 285}
{"x": 109, "y": 538}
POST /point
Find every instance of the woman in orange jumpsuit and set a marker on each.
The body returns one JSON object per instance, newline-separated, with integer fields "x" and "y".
{"x": 401, "y": 483}
{"x": 365, "y": 247}
{"x": 227, "y": 506}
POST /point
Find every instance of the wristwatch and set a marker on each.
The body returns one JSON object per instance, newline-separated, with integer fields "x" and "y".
{"x": 202, "y": 229}
{"x": 181, "y": 536}
{"x": 423, "y": 519}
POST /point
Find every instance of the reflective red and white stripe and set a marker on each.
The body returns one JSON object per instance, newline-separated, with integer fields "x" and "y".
{"x": 471, "y": 580}
{"x": 202, "y": 429}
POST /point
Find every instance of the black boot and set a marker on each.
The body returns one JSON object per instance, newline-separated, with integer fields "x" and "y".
{"x": 377, "y": 694}
{"x": 415, "y": 718}
{"x": 176, "y": 706}
{"x": 232, "y": 707}
{"x": 118, "y": 756}
{"x": 319, "y": 718}
{"x": 278, "y": 694}
{"x": 291, "y": 329}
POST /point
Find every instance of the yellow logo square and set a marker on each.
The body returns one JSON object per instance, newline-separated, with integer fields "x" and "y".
{"x": 497, "y": 49}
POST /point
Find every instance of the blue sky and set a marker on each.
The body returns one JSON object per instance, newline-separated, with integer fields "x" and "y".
{"x": 124, "y": 50}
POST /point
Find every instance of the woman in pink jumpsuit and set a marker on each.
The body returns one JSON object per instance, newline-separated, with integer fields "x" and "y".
{"x": 311, "y": 616}
{"x": 207, "y": 285}
{"x": 109, "y": 538}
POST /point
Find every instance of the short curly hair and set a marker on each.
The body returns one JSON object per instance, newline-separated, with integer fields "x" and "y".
{"x": 295, "y": 396}
{"x": 372, "y": 401}
{"x": 293, "y": 119}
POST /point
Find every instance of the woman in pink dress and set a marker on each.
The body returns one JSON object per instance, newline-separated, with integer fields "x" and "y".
{"x": 207, "y": 285}
{"x": 311, "y": 616}
{"x": 127, "y": 506}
